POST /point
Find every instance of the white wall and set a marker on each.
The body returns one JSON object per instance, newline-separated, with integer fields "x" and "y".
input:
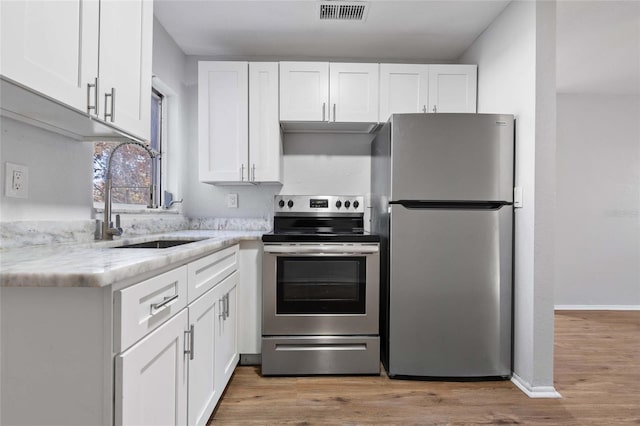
{"x": 598, "y": 214}
{"x": 60, "y": 174}
{"x": 516, "y": 74}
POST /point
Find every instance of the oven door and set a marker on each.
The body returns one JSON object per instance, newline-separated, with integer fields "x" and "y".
{"x": 320, "y": 289}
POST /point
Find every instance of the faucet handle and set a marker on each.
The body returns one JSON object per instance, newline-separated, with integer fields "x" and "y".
{"x": 118, "y": 229}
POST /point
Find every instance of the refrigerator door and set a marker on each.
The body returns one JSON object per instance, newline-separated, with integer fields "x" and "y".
{"x": 450, "y": 292}
{"x": 452, "y": 157}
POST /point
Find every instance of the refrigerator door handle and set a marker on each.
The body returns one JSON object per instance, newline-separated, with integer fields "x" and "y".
{"x": 451, "y": 205}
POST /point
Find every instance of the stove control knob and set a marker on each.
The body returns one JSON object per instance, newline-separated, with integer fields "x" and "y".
{"x": 347, "y": 204}
{"x": 290, "y": 203}
{"x": 355, "y": 204}
{"x": 281, "y": 203}
{"x": 338, "y": 204}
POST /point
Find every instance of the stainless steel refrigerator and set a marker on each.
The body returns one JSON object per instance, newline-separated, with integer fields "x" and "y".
{"x": 442, "y": 199}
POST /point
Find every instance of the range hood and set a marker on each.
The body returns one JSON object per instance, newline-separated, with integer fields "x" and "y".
{"x": 328, "y": 127}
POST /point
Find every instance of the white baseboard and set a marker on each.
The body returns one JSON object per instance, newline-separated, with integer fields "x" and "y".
{"x": 597, "y": 307}
{"x": 534, "y": 391}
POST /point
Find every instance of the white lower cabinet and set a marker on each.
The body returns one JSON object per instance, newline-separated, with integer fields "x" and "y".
{"x": 226, "y": 356}
{"x": 213, "y": 351}
{"x": 153, "y": 350}
{"x": 203, "y": 392}
{"x": 151, "y": 379}
{"x": 176, "y": 374}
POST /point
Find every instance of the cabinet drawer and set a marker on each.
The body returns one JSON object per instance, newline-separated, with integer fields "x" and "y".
{"x": 143, "y": 307}
{"x": 205, "y": 273}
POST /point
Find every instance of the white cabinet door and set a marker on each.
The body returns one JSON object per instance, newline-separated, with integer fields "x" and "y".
{"x": 404, "y": 88}
{"x": 126, "y": 31}
{"x": 354, "y": 92}
{"x": 203, "y": 392}
{"x": 223, "y": 121}
{"x": 304, "y": 91}
{"x": 151, "y": 378}
{"x": 226, "y": 356}
{"x": 452, "y": 88}
{"x": 265, "y": 142}
{"x": 51, "y": 47}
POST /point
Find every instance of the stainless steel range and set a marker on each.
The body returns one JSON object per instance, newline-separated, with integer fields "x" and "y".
{"x": 320, "y": 289}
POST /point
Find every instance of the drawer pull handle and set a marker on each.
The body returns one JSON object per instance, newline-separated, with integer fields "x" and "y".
{"x": 167, "y": 300}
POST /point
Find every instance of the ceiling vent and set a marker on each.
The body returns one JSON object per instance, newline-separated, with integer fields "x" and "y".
{"x": 343, "y": 10}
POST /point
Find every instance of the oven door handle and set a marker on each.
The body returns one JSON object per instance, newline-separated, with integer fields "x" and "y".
{"x": 322, "y": 249}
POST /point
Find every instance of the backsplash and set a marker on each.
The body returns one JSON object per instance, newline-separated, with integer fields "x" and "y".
{"x": 30, "y": 233}
{"x": 232, "y": 224}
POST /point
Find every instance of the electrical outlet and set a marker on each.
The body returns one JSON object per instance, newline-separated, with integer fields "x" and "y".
{"x": 16, "y": 180}
{"x": 232, "y": 201}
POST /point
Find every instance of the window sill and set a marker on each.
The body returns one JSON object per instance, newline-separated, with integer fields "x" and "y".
{"x": 129, "y": 209}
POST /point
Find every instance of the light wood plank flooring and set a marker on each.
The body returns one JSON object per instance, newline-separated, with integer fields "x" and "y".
{"x": 597, "y": 371}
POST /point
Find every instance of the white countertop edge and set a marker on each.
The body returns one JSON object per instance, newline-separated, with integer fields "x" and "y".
{"x": 98, "y": 264}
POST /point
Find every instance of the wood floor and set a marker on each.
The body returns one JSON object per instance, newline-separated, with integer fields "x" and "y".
{"x": 597, "y": 371}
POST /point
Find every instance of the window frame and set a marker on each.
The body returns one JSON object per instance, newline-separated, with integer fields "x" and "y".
{"x": 159, "y": 165}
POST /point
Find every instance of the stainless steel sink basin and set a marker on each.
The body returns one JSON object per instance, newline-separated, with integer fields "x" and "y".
{"x": 158, "y": 244}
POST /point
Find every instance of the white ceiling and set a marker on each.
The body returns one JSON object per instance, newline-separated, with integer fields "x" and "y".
{"x": 598, "y": 42}
{"x": 397, "y": 30}
{"x": 598, "y": 47}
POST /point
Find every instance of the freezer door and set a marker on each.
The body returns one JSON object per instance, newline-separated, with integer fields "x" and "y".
{"x": 452, "y": 157}
{"x": 450, "y": 292}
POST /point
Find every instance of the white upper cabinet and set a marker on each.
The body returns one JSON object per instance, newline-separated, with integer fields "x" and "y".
{"x": 265, "y": 138}
{"x": 238, "y": 127}
{"x": 452, "y": 88}
{"x": 126, "y": 31}
{"x": 404, "y": 88}
{"x": 52, "y": 47}
{"x": 353, "y": 92}
{"x": 412, "y": 88}
{"x": 336, "y": 92}
{"x": 223, "y": 121}
{"x": 94, "y": 56}
{"x": 304, "y": 91}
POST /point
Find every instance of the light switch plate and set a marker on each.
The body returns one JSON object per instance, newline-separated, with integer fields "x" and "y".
{"x": 232, "y": 201}
{"x": 517, "y": 197}
{"x": 16, "y": 180}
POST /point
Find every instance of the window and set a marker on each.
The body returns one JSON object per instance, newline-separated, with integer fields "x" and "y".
{"x": 133, "y": 173}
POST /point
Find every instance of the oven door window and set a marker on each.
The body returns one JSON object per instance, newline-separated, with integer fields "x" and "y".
{"x": 321, "y": 285}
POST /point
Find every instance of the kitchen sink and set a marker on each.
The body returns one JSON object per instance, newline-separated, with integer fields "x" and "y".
{"x": 158, "y": 244}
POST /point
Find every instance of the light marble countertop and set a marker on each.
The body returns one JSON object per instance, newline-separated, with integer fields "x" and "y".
{"x": 99, "y": 264}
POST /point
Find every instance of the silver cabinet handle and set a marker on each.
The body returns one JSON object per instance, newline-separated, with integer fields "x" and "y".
{"x": 191, "y": 333}
{"x": 242, "y": 173}
{"x": 165, "y": 302}
{"x": 112, "y": 114}
{"x": 324, "y": 107}
{"x": 221, "y": 307}
{"x": 334, "y": 113}
{"x": 95, "y": 96}
{"x": 424, "y": 108}
{"x": 253, "y": 168}
{"x": 226, "y": 306}
{"x": 435, "y": 109}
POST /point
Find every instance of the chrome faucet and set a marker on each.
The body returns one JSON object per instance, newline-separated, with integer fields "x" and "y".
{"x": 108, "y": 230}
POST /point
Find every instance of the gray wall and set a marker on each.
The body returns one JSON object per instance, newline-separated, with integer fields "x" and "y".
{"x": 598, "y": 208}
{"x": 60, "y": 174}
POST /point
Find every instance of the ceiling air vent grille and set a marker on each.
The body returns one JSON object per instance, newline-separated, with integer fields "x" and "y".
{"x": 342, "y": 11}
